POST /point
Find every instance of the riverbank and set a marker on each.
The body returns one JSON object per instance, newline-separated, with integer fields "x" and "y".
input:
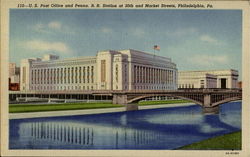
{"x": 231, "y": 141}
{"x": 87, "y": 111}
{"x": 21, "y": 108}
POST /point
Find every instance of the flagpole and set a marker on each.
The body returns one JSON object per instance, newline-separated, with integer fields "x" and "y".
{"x": 156, "y": 47}
{"x": 154, "y": 63}
{"x": 154, "y": 54}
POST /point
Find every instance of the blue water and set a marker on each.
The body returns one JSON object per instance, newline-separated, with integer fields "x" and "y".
{"x": 165, "y": 128}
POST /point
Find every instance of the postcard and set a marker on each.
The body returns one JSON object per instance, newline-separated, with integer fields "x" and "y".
{"x": 123, "y": 78}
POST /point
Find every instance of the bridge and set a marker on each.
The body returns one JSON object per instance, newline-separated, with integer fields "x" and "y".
{"x": 209, "y": 99}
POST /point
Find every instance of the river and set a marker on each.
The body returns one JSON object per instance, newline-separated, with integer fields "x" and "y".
{"x": 152, "y": 129}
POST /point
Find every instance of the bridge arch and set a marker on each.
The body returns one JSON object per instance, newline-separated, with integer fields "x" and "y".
{"x": 138, "y": 98}
{"x": 226, "y": 100}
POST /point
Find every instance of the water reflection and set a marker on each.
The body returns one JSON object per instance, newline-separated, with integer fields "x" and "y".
{"x": 81, "y": 134}
{"x": 65, "y": 133}
{"x": 167, "y": 128}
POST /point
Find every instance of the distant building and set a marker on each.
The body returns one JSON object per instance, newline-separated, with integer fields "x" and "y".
{"x": 108, "y": 70}
{"x": 196, "y": 80}
{"x": 14, "y": 86}
{"x": 12, "y": 69}
{"x": 14, "y": 76}
{"x": 240, "y": 84}
{"x": 208, "y": 79}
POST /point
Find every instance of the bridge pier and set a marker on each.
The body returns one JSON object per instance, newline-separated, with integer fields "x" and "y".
{"x": 119, "y": 99}
{"x": 208, "y": 107}
{"x": 123, "y": 100}
{"x": 131, "y": 107}
{"x": 210, "y": 110}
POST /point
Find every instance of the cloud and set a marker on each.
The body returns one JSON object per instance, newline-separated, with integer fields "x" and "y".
{"x": 139, "y": 32}
{"x": 52, "y": 27}
{"x": 106, "y": 30}
{"x": 55, "y": 25}
{"x": 208, "y": 60}
{"x": 208, "y": 38}
{"x": 182, "y": 32}
{"x": 40, "y": 28}
{"x": 39, "y": 45}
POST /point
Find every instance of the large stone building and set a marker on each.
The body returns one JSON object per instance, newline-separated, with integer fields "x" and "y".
{"x": 108, "y": 70}
{"x": 208, "y": 79}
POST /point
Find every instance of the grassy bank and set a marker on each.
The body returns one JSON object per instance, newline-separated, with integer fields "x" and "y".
{"x": 18, "y": 108}
{"x": 158, "y": 102}
{"x": 57, "y": 107}
{"x": 230, "y": 141}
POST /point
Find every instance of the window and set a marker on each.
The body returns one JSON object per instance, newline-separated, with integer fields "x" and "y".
{"x": 88, "y": 74}
{"x": 44, "y": 76}
{"x": 38, "y": 76}
{"x": 116, "y": 72}
{"x": 34, "y": 75}
{"x": 51, "y": 78}
{"x": 125, "y": 73}
{"x": 80, "y": 74}
{"x": 72, "y": 75}
{"x": 202, "y": 84}
{"x": 103, "y": 70}
{"x": 41, "y": 77}
{"x": 61, "y": 76}
{"x": 135, "y": 74}
{"x": 84, "y": 73}
{"x": 54, "y": 76}
{"x": 68, "y": 75}
{"x": 48, "y": 75}
{"x": 92, "y": 74}
{"x": 57, "y": 80}
{"x": 65, "y": 76}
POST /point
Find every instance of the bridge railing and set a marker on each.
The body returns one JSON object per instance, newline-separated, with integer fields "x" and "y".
{"x": 125, "y": 91}
{"x": 210, "y": 89}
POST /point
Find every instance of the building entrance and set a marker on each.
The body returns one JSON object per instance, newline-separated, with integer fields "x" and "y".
{"x": 223, "y": 83}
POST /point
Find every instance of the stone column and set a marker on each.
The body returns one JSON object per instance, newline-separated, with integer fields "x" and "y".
{"x": 207, "y": 107}
{"x": 122, "y": 99}
{"x": 119, "y": 99}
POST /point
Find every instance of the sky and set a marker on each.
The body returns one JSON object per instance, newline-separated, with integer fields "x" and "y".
{"x": 193, "y": 39}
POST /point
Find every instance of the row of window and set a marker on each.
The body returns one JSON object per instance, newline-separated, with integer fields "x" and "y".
{"x": 186, "y": 86}
{"x": 66, "y": 75}
{"x": 117, "y": 73}
{"x": 62, "y": 88}
{"x": 153, "y": 75}
{"x": 91, "y": 87}
{"x": 152, "y": 87}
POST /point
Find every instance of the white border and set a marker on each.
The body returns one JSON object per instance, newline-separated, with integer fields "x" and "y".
{"x": 243, "y": 5}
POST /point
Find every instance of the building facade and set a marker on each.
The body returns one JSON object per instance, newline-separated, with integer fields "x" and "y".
{"x": 14, "y": 73}
{"x": 14, "y": 76}
{"x": 108, "y": 70}
{"x": 208, "y": 79}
